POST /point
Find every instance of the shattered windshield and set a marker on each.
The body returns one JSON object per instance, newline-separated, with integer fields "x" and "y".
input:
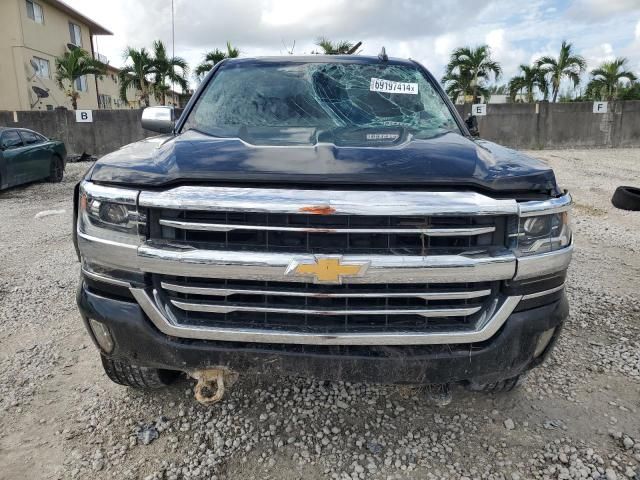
{"x": 386, "y": 101}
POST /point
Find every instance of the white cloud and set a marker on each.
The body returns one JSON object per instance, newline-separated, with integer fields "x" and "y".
{"x": 495, "y": 39}
{"x": 444, "y": 44}
{"x": 286, "y": 13}
{"x": 504, "y": 52}
{"x": 598, "y": 54}
{"x": 425, "y": 31}
{"x": 404, "y": 50}
{"x": 596, "y": 9}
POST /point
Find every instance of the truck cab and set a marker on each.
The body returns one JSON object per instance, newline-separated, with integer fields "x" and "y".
{"x": 325, "y": 216}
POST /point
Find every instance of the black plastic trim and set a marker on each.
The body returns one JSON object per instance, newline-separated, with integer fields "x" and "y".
{"x": 507, "y": 354}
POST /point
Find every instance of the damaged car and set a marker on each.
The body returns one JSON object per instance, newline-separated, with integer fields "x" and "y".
{"x": 329, "y": 217}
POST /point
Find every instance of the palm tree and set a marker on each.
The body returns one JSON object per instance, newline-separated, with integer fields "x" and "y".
{"x": 606, "y": 79}
{"x": 71, "y": 66}
{"x": 165, "y": 71}
{"x": 337, "y": 48}
{"x": 567, "y": 64}
{"x": 136, "y": 75}
{"x": 459, "y": 85}
{"x": 529, "y": 79}
{"x": 472, "y": 66}
{"x": 498, "y": 89}
{"x": 630, "y": 92}
{"x": 213, "y": 57}
{"x": 456, "y": 85}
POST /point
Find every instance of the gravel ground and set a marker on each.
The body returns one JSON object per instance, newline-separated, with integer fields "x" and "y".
{"x": 578, "y": 417}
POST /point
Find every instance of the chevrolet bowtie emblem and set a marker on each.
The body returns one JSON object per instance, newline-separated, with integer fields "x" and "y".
{"x": 329, "y": 269}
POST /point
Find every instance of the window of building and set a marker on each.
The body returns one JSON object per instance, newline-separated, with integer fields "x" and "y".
{"x": 104, "y": 101}
{"x": 75, "y": 35}
{"x": 34, "y": 12}
{"x": 81, "y": 84}
{"x": 43, "y": 67}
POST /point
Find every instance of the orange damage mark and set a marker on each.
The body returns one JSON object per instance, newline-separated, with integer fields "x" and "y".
{"x": 318, "y": 209}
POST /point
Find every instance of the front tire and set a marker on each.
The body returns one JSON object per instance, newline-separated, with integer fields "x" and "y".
{"x": 57, "y": 170}
{"x": 129, "y": 375}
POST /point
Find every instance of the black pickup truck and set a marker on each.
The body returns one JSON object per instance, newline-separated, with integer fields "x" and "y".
{"x": 329, "y": 217}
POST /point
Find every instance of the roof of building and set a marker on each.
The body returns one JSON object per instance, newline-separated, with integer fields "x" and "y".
{"x": 96, "y": 28}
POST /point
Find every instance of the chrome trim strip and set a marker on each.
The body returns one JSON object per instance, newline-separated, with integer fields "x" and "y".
{"x": 545, "y": 207}
{"x": 104, "y": 278}
{"x": 228, "y": 308}
{"x": 226, "y": 292}
{"x": 166, "y": 326}
{"x": 108, "y": 252}
{"x": 529, "y": 296}
{"x": 265, "y": 266}
{"x": 222, "y": 227}
{"x": 272, "y": 266}
{"x": 336, "y": 202}
{"x": 110, "y": 194}
{"x": 544, "y": 263}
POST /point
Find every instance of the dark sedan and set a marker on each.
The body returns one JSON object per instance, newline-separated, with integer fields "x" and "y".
{"x": 27, "y": 156}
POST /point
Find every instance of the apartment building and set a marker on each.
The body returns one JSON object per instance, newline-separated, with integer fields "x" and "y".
{"x": 109, "y": 94}
{"x": 109, "y": 91}
{"x": 32, "y": 34}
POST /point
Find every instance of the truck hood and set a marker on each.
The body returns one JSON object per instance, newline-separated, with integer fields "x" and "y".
{"x": 447, "y": 159}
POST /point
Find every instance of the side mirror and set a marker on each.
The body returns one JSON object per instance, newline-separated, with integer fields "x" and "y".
{"x": 158, "y": 119}
{"x": 472, "y": 126}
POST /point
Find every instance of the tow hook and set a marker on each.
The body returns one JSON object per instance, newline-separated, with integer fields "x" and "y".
{"x": 211, "y": 384}
{"x": 439, "y": 394}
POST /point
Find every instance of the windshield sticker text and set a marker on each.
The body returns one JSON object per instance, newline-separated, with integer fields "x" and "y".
{"x": 387, "y": 86}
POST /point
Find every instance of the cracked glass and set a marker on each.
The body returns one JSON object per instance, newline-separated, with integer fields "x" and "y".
{"x": 311, "y": 102}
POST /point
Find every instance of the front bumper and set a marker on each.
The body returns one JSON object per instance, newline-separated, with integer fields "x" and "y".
{"x": 507, "y": 353}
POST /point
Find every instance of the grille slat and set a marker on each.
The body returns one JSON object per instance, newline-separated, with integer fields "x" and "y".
{"x": 229, "y": 308}
{"x": 226, "y": 292}
{"x": 225, "y": 227}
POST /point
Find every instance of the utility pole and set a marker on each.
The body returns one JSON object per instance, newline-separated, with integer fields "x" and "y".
{"x": 173, "y": 52}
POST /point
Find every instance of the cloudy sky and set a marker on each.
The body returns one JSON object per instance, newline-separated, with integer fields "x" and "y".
{"x": 518, "y": 31}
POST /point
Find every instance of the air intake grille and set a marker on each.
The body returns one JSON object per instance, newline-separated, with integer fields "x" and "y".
{"x": 330, "y": 234}
{"x": 296, "y": 307}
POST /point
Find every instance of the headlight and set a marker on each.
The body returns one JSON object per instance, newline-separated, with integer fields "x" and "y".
{"x": 115, "y": 214}
{"x": 543, "y": 233}
{"x": 110, "y": 214}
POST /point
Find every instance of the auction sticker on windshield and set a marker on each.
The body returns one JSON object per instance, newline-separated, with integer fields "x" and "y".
{"x": 388, "y": 86}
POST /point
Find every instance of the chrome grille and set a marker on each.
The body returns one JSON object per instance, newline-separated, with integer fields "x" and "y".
{"x": 304, "y": 307}
{"x": 330, "y": 234}
{"x": 473, "y": 228}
